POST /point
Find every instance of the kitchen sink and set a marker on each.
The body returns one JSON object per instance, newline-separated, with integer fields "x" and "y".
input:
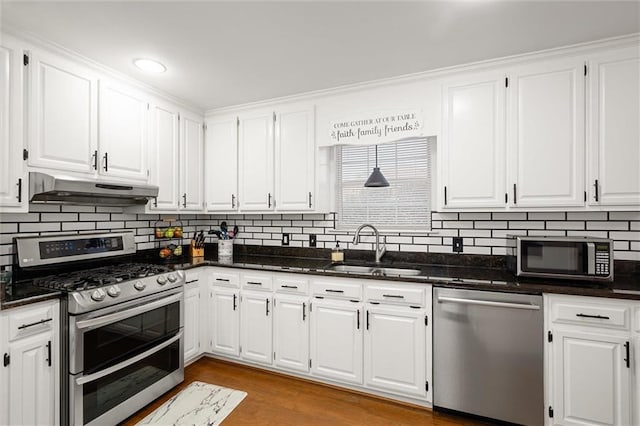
{"x": 374, "y": 270}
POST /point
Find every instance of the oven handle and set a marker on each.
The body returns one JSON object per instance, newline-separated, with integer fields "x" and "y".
{"x": 95, "y": 376}
{"x": 117, "y": 316}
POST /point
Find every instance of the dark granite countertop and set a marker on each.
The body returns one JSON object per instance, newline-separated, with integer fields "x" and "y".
{"x": 469, "y": 272}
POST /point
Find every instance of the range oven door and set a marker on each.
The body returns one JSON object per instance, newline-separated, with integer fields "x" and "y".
{"x": 122, "y": 358}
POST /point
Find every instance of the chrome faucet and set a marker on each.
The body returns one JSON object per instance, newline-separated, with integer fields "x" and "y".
{"x": 379, "y": 250}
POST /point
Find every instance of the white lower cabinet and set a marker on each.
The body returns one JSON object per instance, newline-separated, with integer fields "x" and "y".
{"x": 291, "y": 332}
{"x": 394, "y": 349}
{"x": 191, "y": 321}
{"x": 29, "y": 388}
{"x": 256, "y": 327}
{"x": 225, "y": 321}
{"x": 590, "y": 362}
{"x": 336, "y": 340}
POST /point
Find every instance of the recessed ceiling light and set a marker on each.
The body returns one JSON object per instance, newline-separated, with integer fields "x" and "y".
{"x": 149, "y": 65}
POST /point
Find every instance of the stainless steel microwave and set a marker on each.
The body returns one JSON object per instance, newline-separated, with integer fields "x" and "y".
{"x": 578, "y": 258}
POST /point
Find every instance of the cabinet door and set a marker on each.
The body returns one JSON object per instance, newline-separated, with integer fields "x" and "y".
{"x": 13, "y": 186}
{"x": 291, "y": 332}
{"x": 394, "y": 348}
{"x": 192, "y": 141}
{"x": 191, "y": 321}
{"x": 474, "y": 131}
{"x": 63, "y": 120}
{"x": 336, "y": 340}
{"x": 295, "y": 158}
{"x": 31, "y": 381}
{"x": 546, "y": 134}
{"x": 225, "y": 324}
{"x": 165, "y": 156}
{"x": 591, "y": 384}
{"x": 123, "y": 132}
{"x": 256, "y": 161}
{"x": 614, "y": 132}
{"x": 256, "y": 327}
{"x": 221, "y": 157}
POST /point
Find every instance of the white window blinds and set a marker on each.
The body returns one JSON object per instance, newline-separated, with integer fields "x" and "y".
{"x": 404, "y": 204}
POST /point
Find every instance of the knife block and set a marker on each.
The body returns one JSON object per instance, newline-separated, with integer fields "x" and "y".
{"x": 195, "y": 251}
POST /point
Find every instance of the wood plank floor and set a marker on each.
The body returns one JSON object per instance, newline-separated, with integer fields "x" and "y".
{"x": 275, "y": 399}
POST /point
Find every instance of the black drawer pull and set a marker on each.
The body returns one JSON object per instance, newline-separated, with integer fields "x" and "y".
{"x": 290, "y": 286}
{"x": 254, "y": 283}
{"x": 329, "y": 290}
{"x": 395, "y": 296}
{"x": 592, "y": 316}
{"x": 358, "y": 324}
{"x": 49, "y": 353}
{"x": 222, "y": 279}
{"x": 627, "y": 360}
{"x": 191, "y": 281}
{"x": 304, "y": 311}
{"x": 42, "y": 321}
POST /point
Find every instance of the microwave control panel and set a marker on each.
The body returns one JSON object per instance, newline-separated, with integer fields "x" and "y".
{"x": 603, "y": 259}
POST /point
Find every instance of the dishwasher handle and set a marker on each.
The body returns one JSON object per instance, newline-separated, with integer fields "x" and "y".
{"x": 491, "y": 303}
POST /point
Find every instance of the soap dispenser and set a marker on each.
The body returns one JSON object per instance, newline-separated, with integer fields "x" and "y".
{"x": 337, "y": 255}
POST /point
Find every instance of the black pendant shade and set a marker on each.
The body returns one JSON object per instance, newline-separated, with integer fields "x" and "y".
{"x": 376, "y": 179}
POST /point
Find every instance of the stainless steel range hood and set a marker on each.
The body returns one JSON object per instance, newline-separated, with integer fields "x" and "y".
{"x": 45, "y": 188}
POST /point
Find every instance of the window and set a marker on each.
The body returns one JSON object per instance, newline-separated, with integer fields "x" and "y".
{"x": 404, "y": 204}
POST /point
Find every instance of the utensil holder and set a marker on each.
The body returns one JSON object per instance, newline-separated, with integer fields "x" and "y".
{"x": 195, "y": 251}
{"x": 225, "y": 250}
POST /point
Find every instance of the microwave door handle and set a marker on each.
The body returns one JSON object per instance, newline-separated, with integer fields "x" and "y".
{"x": 591, "y": 258}
{"x": 119, "y": 316}
{"x": 102, "y": 373}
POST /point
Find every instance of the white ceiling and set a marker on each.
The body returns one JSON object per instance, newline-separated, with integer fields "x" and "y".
{"x": 227, "y": 53}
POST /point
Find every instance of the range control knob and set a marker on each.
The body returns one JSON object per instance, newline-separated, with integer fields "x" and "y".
{"x": 172, "y": 278}
{"x": 98, "y": 295}
{"x": 139, "y": 285}
{"x": 113, "y": 291}
{"x": 162, "y": 280}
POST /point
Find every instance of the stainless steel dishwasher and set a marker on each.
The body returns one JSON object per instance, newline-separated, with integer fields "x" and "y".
{"x": 488, "y": 354}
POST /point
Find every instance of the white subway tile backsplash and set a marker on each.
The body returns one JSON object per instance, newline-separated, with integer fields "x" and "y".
{"x": 624, "y": 215}
{"x": 621, "y": 235}
{"x": 587, "y": 216}
{"x": 44, "y": 207}
{"x": 40, "y": 226}
{"x": 110, "y": 225}
{"x": 20, "y": 217}
{"x": 609, "y": 225}
{"x": 475, "y": 216}
{"x": 94, "y": 217}
{"x": 546, "y": 216}
{"x": 59, "y": 217}
{"x": 77, "y": 226}
{"x": 76, "y": 209}
{"x": 509, "y": 216}
{"x": 598, "y": 234}
{"x": 565, "y": 225}
{"x": 627, "y": 255}
{"x": 523, "y": 224}
{"x": 494, "y": 224}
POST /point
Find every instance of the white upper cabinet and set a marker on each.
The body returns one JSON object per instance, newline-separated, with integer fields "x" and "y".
{"x": 614, "y": 132}
{"x": 221, "y": 157}
{"x": 474, "y": 129}
{"x": 123, "y": 131}
{"x": 191, "y": 140}
{"x": 256, "y": 161}
{"x": 164, "y": 151}
{"x": 295, "y": 158}
{"x": 13, "y": 186}
{"x": 63, "y": 121}
{"x": 546, "y": 134}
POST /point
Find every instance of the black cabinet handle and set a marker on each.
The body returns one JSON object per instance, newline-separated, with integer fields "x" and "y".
{"x": 515, "y": 198}
{"x": 233, "y": 201}
{"x": 358, "y": 323}
{"x": 595, "y": 184}
{"x": 395, "y": 296}
{"x": 49, "y": 353}
{"x": 7, "y": 359}
{"x": 222, "y": 279}
{"x": 445, "y": 195}
{"x": 367, "y": 319}
{"x": 155, "y": 201}
{"x": 290, "y": 286}
{"x": 19, "y": 196}
{"x": 95, "y": 159}
{"x": 267, "y": 307}
{"x": 191, "y": 281}
{"x": 309, "y": 199}
{"x": 234, "y": 302}
{"x": 592, "y": 316}
{"x": 304, "y": 311}
{"x": 106, "y": 161}
{"x": 627, "y": 360}
{"x": 42, "y": 321}
{"x": 254, "y": 283}
{"x": 269, "y": 198}
{"x": 184, "y": 200}
{"x": 334, "y": 291}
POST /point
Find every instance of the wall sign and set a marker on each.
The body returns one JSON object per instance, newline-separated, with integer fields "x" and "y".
{"x": 376, "y": 128}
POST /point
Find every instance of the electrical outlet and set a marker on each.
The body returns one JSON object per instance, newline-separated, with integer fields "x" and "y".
{"x": 285, "y": 239}
{"x": 312, "y": 240}
{"x": 457, "y": 245}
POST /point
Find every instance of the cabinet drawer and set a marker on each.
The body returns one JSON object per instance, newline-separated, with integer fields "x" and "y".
{"x": 293, "y": 284}
{"x": 395, "y": 294}
{"x": 32, "y": 320}
{"x": 251, "y": 281}
{"x": 192, "y": 277}
{"x": 228, "y": 279}
{"x": 595, "y": 313}
{"x": 337, "y": 288}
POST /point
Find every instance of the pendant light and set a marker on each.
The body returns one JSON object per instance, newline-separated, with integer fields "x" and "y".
{"x": 376, "y": 180}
